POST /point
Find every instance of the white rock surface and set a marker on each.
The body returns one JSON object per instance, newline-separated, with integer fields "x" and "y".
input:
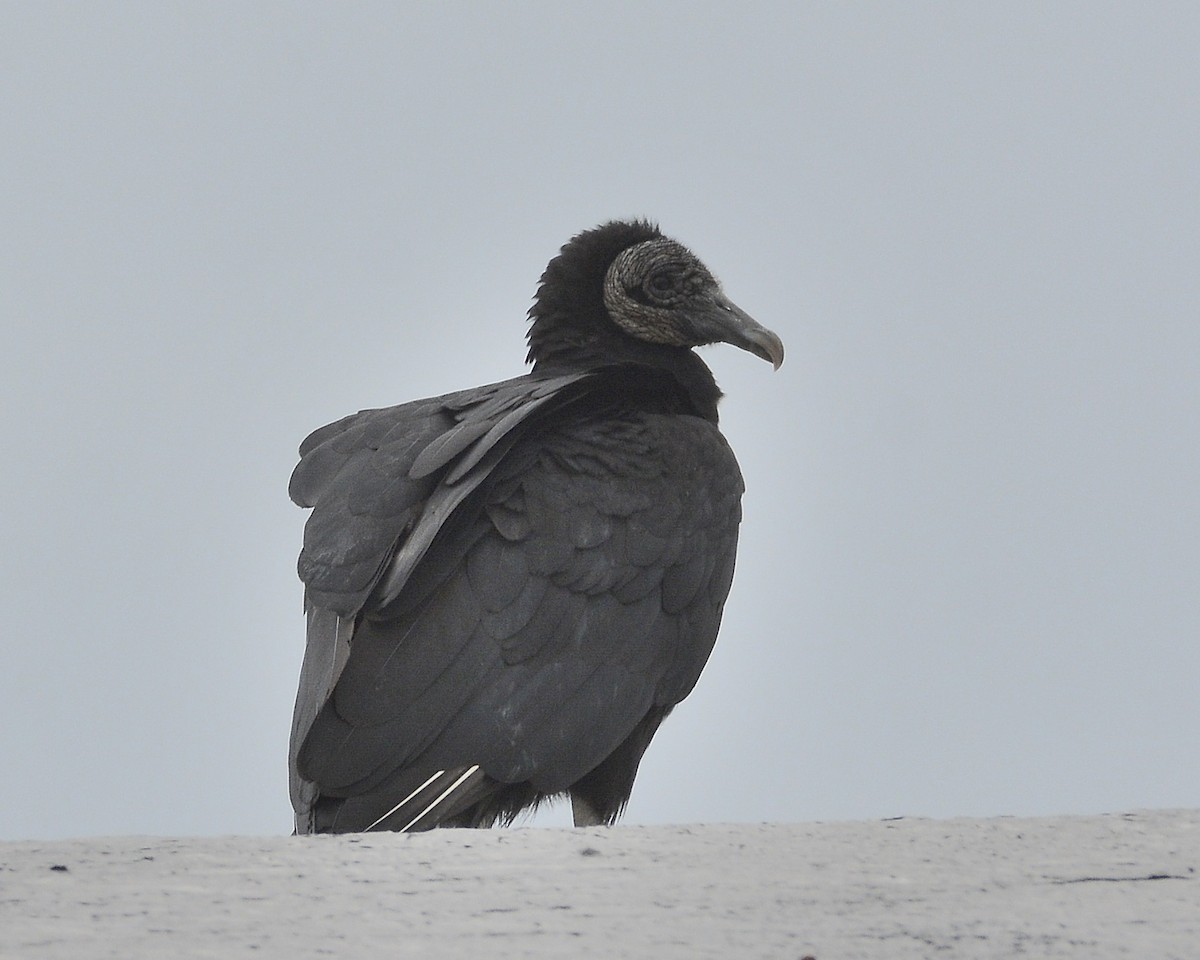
{"x": 1090, "y": 887}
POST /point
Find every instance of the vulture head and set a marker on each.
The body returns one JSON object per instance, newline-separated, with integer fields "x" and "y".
{"x": 623, "y": 291}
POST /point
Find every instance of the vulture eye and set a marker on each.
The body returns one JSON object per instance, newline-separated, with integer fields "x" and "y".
{"x": 660, "y": 284}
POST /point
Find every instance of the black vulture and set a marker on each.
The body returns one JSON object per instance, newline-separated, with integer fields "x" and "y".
{"x": 508, "y": 588}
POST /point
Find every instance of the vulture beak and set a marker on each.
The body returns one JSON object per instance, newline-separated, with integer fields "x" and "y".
{"x": 721, "y": 320}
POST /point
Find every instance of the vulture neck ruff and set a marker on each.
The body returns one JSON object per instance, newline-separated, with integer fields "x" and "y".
{"x": 571, "y": 328}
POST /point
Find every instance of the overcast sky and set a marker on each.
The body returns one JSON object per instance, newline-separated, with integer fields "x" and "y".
{"x": 969, "y": 574}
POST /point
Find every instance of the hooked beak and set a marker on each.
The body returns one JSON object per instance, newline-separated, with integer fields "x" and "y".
{"x": 721, "y": 320}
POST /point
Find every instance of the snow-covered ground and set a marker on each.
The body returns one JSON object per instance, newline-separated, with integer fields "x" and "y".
{"x": 1122, "y": 885}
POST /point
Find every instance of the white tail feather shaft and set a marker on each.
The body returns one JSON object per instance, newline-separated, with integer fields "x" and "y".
{"x": 442, "y": 796}
{"x": 376, "y": 823}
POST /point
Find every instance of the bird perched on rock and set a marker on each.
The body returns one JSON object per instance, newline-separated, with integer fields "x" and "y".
{"x": 508, "y": 588}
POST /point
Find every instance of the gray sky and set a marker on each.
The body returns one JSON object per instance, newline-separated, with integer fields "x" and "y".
{"x": 968, "y": 577}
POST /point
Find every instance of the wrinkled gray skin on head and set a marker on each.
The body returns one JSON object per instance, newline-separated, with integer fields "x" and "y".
{"x": 659, "y": 291}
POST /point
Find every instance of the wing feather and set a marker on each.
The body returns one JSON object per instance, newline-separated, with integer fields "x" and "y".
{"x": 373, "y": 521}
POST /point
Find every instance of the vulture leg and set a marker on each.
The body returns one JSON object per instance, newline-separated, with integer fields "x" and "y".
{"x": 583, "y": 811}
